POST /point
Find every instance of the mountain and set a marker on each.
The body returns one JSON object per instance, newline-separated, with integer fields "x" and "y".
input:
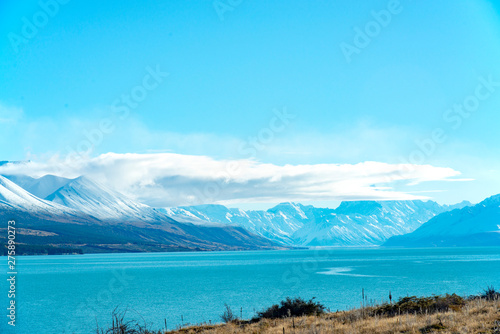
{"x": 366, "y": 223}
{"x": 87, "y": 196}
{"x": 87, "y": 216}
{"x": 97, "y": 236}
{"x": 93, "y": 217}
{"x": 31, "y": 212}
{"x": 13, "y": 197}
{"x": 477, "y": 225}
{"x": 460, "y": 205}
{"x": 276, "y": 224}
{"x": 353, "y": 223}
{"x": 40, "y": 187}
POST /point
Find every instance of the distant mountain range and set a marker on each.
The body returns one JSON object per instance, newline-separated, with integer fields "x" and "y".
{"x": 477, "y": 225}
{"x": 81, "y": 213}
{"x": 84, "y": 215}
{"x": 355, "y": 223}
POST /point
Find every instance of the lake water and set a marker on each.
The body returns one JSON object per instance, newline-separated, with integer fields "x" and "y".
{"x": 69, "y": 294}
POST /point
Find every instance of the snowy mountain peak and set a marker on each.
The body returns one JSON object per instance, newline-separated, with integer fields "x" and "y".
{"x": 365, "y": 208}
{"x": 100, "y": 201}
{"x": 41, "y": 187}
{"x": 14, "y": 197}
{"x": 12, "y": 194}
{"x": 355, "y": 223}
{"x": 476, "y": 225}
{"x": 290, "y": 208}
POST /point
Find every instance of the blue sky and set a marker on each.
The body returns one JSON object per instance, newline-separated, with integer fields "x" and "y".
{"x": 232, "y": 65}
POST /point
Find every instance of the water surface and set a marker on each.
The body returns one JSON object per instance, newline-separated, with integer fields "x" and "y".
{"x": 70, "y": 294}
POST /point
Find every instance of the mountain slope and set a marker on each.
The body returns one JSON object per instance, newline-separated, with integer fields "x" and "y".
{"x": 477, "y": 225}
{"x": 18, "y": 204}
{"x": 14, "y": 197}
{"x": 366, "y": 223}
{"x": 87, "y": 196}
{"x": 356, "y": 223}
{"x": 126, "y": 226}
{"x": 274, "y": 225}
{"x": 102, "y": 236}
{"x": 40, "y": 187}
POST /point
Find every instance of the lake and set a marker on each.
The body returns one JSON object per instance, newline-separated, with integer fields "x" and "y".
{"x": 70, "y": 294}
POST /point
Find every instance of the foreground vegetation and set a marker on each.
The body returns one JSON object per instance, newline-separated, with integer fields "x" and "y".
{"x": 436, "y": 314}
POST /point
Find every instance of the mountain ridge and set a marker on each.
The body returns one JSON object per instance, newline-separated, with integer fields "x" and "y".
{"x": 353, "y": 223}
{"x": 477, "y": 225}
{"x": 46, "y": 222}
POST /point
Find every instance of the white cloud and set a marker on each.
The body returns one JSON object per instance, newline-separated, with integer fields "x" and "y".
{"x": 168, "y": 179}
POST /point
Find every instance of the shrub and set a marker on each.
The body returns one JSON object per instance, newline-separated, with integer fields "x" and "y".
{"x": 292, "y": 308}
{"x": 422, "y": 305}
{"x": 490, "y": 293}
{"x": 228, "y": 315}
{"x": 122, "y": 326}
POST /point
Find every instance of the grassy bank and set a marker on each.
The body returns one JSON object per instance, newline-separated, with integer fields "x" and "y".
{"x": 436, "y": 314}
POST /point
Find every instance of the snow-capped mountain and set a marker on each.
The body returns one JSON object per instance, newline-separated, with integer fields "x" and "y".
{"x": 277, "y": 224}
{"x": 477, "y": 225}
{"x": 361, "y": 223}
{"x": 13, "y": 197}
{"x": 356, "y": 223}
{"x": 85, "y": 215}
{"x": 353, "y": 223}
{"x": 87, "y": 196}
{"x": 40, "y": 187}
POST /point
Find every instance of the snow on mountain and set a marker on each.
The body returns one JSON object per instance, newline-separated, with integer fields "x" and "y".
{"x": 356, "y": 223}
{"x": 358, "y": 207}
{"x": 187, "y": 217}
{"x": 71, "y": 217}
{"x": 14, "y": 197}
{"x": 97, "y": 200}
{"x": 40, "y": 187}
{"x": 361, "y": 223}
{"x": 275, "y": 226}
{"x": 472, "y": 225}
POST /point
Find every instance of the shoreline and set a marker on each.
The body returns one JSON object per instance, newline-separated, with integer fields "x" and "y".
{"x": 445, "y": 314}
{"x": 78, "y": 251}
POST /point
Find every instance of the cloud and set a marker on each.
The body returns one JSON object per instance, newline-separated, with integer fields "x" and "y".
{"x": 168, "y": 179}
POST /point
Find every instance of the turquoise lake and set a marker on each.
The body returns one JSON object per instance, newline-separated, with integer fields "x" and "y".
{"x": 70, "y": 294}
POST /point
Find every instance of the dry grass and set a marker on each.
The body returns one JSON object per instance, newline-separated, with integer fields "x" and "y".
{"x": 477, "y": 316}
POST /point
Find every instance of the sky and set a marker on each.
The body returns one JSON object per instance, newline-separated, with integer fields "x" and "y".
{"x": 317, "y": 102}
